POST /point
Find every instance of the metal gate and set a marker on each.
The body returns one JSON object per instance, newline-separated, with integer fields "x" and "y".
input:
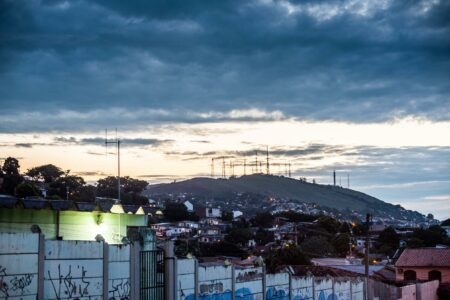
{"x": 152, "y": 275}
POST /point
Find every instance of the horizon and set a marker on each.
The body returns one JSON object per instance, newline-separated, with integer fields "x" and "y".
{"x": 360, "y": 87}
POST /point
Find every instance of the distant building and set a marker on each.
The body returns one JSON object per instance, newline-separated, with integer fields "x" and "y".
{"x": 189, "y": 206}
{"x": 208, "y": 212}
{"x": 424, "y": 264}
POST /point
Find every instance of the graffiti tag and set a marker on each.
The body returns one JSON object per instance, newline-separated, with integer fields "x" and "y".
{"x": 18, "y": 284}
{"x": 67, "y": 286}
{"x": 120, "y": 289}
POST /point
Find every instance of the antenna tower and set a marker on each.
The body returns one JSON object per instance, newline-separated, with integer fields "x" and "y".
{"x": 267, "y": 162}
{"x": 117, "y": 142}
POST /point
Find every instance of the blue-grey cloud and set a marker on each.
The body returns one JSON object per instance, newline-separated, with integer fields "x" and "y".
{"x": 342, "y": 60}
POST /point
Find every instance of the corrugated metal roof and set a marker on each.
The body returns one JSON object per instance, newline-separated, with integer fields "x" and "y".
{"x": 60, "y": 204}
{"x": 86, "y": 206}
{"x": 7, "y": 201}
{"x": 424, "y": 257}
{"x": 130, "y": 208}
{"x": 35, "y": 203}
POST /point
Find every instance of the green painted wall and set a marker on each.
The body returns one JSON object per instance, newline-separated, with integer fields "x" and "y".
{"x": 74, "y": 225}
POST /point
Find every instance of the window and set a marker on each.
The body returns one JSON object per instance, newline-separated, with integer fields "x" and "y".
{"x": 409, "y": 275}
{"x": 435, "y": 275}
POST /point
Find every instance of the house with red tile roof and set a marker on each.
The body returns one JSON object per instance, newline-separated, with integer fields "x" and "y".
{"x": 424, "y": 264}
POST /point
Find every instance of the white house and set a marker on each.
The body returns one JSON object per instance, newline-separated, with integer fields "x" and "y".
{"x": 189, "y": 206}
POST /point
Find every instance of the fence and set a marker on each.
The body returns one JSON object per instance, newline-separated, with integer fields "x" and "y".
{"x": 211, "y": 281}
{"x": 34, "y": 268}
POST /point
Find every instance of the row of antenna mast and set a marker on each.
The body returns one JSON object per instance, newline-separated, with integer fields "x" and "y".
{"x": 248, "y": 166}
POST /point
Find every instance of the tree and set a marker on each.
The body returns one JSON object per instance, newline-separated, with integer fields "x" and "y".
{"x": 239, "y": 236}
{"x": 445, "y": 222}
{"x": 294, "y": 216}
{"x": 11, "y": 175}
{"x": 65, "y": 186}
{"x": 429, "y": 237}
{"x": 227, "y": 216}
{"x": 174, "y": 212}
{"x": 388, "y": 241}
{"x": 329, "y": 224}
{"x": 341, "y": 244}
{"x": 84, "y": 193}
{"x": 263, "y": 237}
{"x": 317, "y": 246}
{"x": 27, "y": 189}
{"x": 289, "y": 255}
{"x": 130, "y": 189}
{"x": 11, "y": 166}
{"x": 48, "y": 173}
{"x": 263, "y": 219}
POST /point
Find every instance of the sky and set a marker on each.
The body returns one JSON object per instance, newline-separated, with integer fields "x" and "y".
{"x": 362, "y": 87}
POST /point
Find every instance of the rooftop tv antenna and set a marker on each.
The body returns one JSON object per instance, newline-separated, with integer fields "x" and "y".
{"x": 117, "y": 142}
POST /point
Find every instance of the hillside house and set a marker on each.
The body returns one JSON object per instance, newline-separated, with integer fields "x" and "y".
{"x": 424, "y": 264}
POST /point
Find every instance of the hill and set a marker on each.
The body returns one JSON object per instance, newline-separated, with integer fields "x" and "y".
{"x": 280, "y": 187}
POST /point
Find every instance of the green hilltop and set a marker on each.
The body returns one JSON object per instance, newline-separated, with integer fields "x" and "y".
{"x": 329, "y": 196}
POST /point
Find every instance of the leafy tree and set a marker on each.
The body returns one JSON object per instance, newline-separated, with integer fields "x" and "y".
{"x": 388, "y": 241}
{"x": 263, "y": 219}
{"x": 446, "y": 222}
{"x": 222, "y": 248}
{"x": 329, "y": 224}
{"x": 130, "y": 189}
{"x": 65, "y": 185}
{"x": 341, "y": 244}
{"x": 174, "y": 212}
{"x": 429, "y": 237}
{"x": 227, "y": 216}
{"x": 27, "y": 189}
{"x": 317, "y": 246}
{"x": 290, "y": 255}
{"x": 263, "y": 237}
{"x": 239, "y": 236}
{"x": 48, "y": 173}
{"x": 11, "y": 166}
{"x": 84, "y": 193}
{"x": 11, "y": 175}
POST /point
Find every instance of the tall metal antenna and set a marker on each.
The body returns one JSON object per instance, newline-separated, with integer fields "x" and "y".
{"x": 289, "y": 170}
{"x": 256, "y": 160}
{"x": 348, "y": 180}
{"x": 116, "y": 142}
{"x": 212, "y": 167}
{"x": 334, "y": 177}
{"x": 223, "y": 167}
{"x": 245, "y": 166}
{"x": 267, "y": 162}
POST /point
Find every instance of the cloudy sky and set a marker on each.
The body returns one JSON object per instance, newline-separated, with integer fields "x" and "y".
{"x": 359, "y": 86}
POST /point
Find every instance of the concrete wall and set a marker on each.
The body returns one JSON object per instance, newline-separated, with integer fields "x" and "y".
{"x": 73, "y": 269}
{"x": 34, "y": 268}
{"x": 224, "y": 282}
{"x": 119, "y": 277}
{"x": 415, "y": 291}
{"x": 74, "y": 225}
{"x": 19, "y": 264}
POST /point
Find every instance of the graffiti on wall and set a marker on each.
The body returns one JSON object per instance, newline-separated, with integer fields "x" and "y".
{"x": 120, "y": 289}
{"x": 250, "y": 275}
{"x": 273, "y": 293}
{"x": 65, "y": 285}
{"x": 14, "y": 285}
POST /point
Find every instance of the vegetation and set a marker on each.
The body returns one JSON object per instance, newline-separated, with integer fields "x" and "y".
{"x": 60, "y": 184}
{"x": 288, "y": 255}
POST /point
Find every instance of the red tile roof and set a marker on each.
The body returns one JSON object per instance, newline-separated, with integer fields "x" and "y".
{"x": 424, "y": 257}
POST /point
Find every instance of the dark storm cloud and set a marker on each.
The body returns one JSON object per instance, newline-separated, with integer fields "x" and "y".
{"x": 341, "y": 60}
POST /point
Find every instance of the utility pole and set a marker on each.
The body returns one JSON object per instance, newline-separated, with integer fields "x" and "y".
{"x": 212, "y": 167}
{"x": 366, "y": 267}
{"x": 267, "y": 163}
{"x": 334, "y": 177}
